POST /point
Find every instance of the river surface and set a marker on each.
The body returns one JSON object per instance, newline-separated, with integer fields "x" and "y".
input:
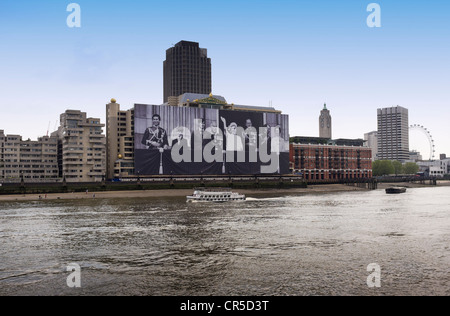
{"x": 314, "y": 244}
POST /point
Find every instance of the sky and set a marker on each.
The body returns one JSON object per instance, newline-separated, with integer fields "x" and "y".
{"x": 293, "y": 54}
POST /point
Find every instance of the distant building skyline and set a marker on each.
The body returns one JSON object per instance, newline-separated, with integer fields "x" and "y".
{"x": 292, "y": 54}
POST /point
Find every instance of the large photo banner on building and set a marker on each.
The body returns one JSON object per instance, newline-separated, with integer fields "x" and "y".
{"x": 173, "y": 140}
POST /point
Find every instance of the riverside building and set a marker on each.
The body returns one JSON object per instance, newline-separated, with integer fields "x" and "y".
{"x": 131, "y": 153}
{"x": 323, "y": 159}
{"x": 82, "y": 147}
{"x": 27, "y": 159}
{"x": 119, "y": 141}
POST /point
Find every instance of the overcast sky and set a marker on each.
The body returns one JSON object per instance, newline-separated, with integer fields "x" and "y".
{"x": 296, "y": 54}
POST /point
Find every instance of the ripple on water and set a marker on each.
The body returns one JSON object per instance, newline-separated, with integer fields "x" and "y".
{"x": 291, "y": 245}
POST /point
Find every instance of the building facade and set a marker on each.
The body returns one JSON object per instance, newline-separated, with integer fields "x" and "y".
{"x": 187, "y": 68}
{"x": 322, "y": 161}
{"x": 205, "y": 101}
{"x": 372, "y": 142}
{"x": 393, "y": 134}
{"x": 2, "y": 154}
{"x": 201, "y": 134}
{"x": 27, "y": 159}
{"x": 119, "y": 141}
{"x": 127, "y": 156}
{"x": 82, "y": 146}
{"x": 414, "y": 156}
{"x": 437, "y": 168}
{"x": 325, "y": 124}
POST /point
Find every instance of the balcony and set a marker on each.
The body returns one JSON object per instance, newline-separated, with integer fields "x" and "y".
{"x": 96, "y": 174}
{"x": 72, "y": 165}
{"x": 85, "y": 124}
{"x": 74, "y": 151}
{"x": 70, "y": 173}
{"x": 73, "y": 131}
{"x": 96, "y": 141}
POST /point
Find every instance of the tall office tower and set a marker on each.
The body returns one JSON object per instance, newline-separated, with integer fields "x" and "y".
{"x": 393, "y": 134}
{"x": 325, "y": 126}
{"x": 372, "y": 142}
{"x": 119, "y": 141}
{"x": 187, "y": 68}
{"x": 82, "y": 147}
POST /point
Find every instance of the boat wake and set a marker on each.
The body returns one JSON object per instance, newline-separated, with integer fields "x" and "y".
{"x": 264, "y": 199}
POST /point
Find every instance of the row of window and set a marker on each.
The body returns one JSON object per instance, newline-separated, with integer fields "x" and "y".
{"x": 30, "y": 171}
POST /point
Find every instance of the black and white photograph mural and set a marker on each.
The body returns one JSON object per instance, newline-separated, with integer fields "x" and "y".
{"x": 194, "y": 141}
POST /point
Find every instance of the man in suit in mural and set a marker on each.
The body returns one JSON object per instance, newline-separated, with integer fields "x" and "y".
{"x": 277, "y": 144}
{"x": 199, "y": 133}
{"x": 155, "y": 137}
{"x": 266, "y": 138}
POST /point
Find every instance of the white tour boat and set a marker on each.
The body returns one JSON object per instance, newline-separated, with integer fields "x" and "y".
{"x": 215, "y": 195}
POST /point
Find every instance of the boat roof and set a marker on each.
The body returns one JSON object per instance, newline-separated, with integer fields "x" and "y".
{"x": 213, "y": 189}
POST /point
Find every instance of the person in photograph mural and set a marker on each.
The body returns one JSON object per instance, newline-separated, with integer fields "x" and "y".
{"x": 266, "y": 138}
{"x": 199, "y": 132}
{"x": 240, "y": 131}
{"x": 277, "y": 143}
{"x": 250, "y": 136}
{"x": 155, "y": 137}
{"x": 212, "y": 133}
{"x": 234, "y": 140}
{"x": 180, "y": 140}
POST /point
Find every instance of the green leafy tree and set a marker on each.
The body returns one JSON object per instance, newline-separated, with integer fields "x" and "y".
{"x": 382, "y": 168}
{"x": 398, "y": 167}
{"x": 411, "y": 168}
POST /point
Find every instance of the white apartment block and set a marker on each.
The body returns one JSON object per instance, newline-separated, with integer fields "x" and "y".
{"x": 27, "y": 159}
{"x": 82, "y": 147}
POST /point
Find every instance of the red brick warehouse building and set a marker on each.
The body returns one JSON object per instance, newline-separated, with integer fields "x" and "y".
{"x": 324, "y": 159}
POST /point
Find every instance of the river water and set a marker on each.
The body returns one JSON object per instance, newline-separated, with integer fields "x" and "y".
{"x": 313, "y": 244}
